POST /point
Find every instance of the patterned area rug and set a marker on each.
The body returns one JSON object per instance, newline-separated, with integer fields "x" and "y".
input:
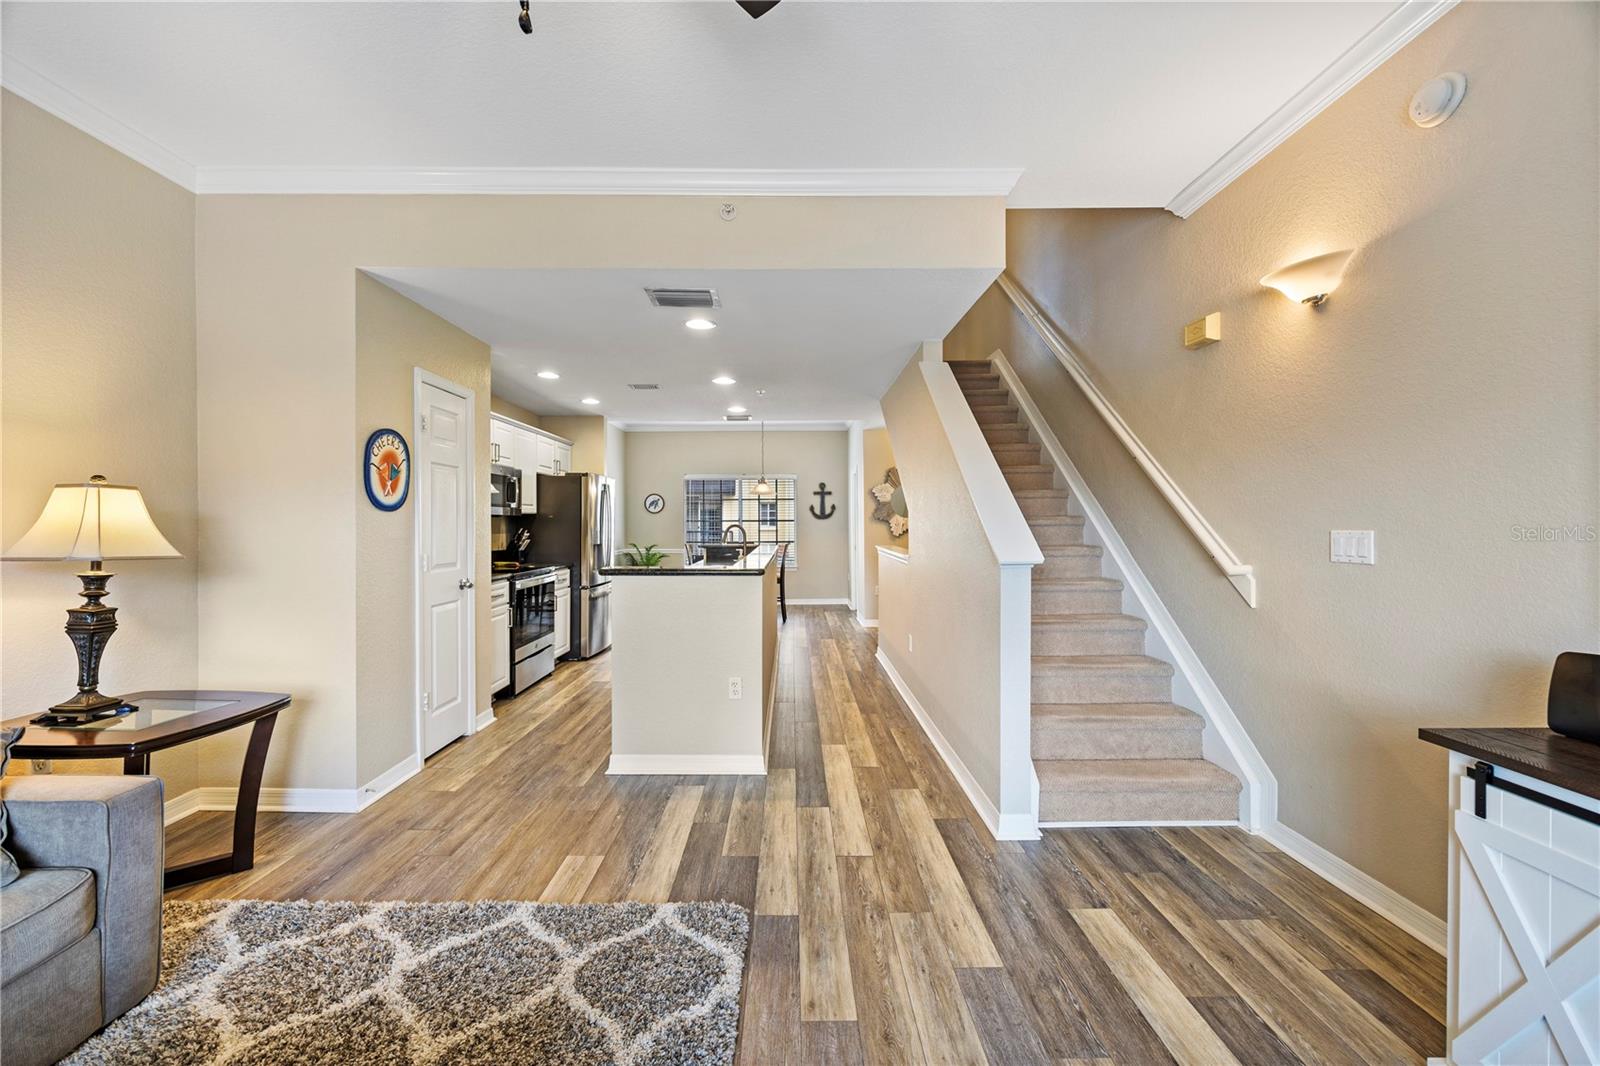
{"x": 254, "y": 982}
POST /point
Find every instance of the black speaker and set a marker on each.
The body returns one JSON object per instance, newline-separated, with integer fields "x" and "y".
{"x": 1575, "y": 696}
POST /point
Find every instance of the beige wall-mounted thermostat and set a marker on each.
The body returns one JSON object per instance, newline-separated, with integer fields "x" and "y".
{"x": 1203, "y": 331}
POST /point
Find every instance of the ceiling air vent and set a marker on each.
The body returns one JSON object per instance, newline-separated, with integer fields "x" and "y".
{"x": 701, "y": 298}
{"x": 644, "y": 387}
{"x": 736, "y": 418}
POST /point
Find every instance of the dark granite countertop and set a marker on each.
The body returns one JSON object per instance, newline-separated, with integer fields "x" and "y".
{"x": 673, "y": 566}
{"x": 1537, "y": 752}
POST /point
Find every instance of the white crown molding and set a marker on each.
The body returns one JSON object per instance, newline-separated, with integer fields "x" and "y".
{"x": 726, "y": 427}
{"x": 76, "y": 111}
{"x": 1385, "y": 39}
{"x": 604, "y": 181}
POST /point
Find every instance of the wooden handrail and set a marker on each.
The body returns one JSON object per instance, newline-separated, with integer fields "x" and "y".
{"x": 1241, "y": 574}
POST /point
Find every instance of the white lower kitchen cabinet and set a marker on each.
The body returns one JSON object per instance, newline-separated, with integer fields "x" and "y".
{"x": 1524, "y": 882}
{"x": 563, "y": 621}
{"x": 500, "y": 635}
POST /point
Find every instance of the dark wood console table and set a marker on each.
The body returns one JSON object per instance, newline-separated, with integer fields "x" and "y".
{"x": 163, "y": 720}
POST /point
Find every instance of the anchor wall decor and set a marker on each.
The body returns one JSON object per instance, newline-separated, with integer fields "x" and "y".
{"x": 822, "y": 495}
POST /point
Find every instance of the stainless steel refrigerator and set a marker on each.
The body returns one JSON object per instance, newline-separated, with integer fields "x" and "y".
{"x": 575, "y": 524}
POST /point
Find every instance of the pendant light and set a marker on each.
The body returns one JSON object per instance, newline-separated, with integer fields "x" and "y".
{"x": 763, "y": 487}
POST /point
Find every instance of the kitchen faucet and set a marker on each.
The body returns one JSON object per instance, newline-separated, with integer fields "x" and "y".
{"x": 743, "y": 536}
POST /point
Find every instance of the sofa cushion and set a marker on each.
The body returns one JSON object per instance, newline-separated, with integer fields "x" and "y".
{"x": 8, "y": 863}
{"x": 42, "y": 912}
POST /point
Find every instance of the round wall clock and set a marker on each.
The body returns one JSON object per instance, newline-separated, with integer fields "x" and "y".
{"x": 654, "y": 503}
{"x": 386, "y": 463}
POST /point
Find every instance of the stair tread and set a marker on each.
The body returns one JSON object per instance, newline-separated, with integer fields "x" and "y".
{"x": 1077, "y": 582}
{"x": 1032, "y": 468}
{"x": 1071, "y": 549}
{"x": 1054, "y": 519}
{"x": 1122, "y": 664}
{"x": 1146, "y": 715}
{"x": 1039, "y": 494}
{"x": 1134, "y": 775}
{"x": 1088, "y": 620}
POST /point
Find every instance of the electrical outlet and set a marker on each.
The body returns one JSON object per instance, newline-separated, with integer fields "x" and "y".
{"x": 1352, "y": 546}
{"x": 43, "y": 766}
{"x": 735, "y": 688}
{"x": 911, "y": 642}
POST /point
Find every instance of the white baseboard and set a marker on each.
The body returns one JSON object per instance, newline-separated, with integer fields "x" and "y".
{"x": 1416, "y": 920}
{"x": 390, "y": 779}
{"x": 687, "y": 765}
{"x": 839, "y": 602}
{"x": 296, "y": 800}
{"x": 1132, "y": 825}
{"x": 867, "y": 623}
{"x": 180, "y": 807}
{"x": 1004, "y": 827}
{"x": 484, "y": 720}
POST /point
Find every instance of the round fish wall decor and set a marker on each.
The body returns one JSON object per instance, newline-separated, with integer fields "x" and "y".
{"x": 655, "y": 502}
{"x": 387, "y": 469}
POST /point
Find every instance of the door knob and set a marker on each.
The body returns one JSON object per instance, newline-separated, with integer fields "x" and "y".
{"x": 464, "y": 584}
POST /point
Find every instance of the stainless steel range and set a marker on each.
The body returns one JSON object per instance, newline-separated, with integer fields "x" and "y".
{"x": 534, "y": 595}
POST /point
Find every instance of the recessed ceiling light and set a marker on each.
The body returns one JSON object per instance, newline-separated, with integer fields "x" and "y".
{"x": 549, "y": 375}
{"x": 700, "y": 323}
{"x": 590, "y": 400}
{"x": 723, "y": 379}
{"x": 736, "y": 410}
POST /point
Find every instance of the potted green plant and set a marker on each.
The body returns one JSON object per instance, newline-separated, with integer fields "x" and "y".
{"x": 646, "y": 556}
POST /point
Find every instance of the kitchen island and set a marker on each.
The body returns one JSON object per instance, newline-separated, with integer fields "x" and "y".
{"x": 694, "y": 649}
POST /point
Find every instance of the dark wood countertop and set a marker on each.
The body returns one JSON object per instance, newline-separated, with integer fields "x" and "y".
{"x": 1539, "y": 753}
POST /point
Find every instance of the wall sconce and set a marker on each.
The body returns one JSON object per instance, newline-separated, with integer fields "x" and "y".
{"x": 1310, "y": 280}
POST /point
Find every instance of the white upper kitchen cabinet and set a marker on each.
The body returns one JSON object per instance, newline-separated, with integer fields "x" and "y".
{"x": 502, "y": 442}
{"x": 563, "y": 457}
{"x": 547, "y": 455}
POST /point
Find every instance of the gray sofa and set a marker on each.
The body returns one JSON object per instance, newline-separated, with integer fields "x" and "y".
{"x": 80, "y": 929}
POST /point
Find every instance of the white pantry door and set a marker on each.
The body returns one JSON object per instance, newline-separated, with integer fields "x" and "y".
{"x": 445, "y": 546}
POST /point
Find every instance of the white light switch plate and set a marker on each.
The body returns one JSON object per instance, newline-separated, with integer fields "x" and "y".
{"x": 1352, "y": 546}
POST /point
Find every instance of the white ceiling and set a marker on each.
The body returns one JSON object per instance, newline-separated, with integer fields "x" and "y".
{"x": 824, "y": 344}
{"x": 1119, "y": 104}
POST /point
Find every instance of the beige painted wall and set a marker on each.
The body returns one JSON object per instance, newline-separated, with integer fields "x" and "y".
{"x": 939, "y": 616}
{"x": 393, "y": 337}
{"x": 276, "y": 326}
{"x": 97, "y": 327}
{"x": 588, "y": 436}
{"x": 877, "y": 458}
{"x": 658, "y": 462}
{"x": 500, "y": 406}
{"x": 1445, "y": 397}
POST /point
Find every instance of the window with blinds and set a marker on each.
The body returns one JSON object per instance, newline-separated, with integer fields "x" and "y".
{"x": 712, "y": 504}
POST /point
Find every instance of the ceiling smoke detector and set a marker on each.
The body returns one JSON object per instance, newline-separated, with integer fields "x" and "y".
{"x": 684, "y": 298}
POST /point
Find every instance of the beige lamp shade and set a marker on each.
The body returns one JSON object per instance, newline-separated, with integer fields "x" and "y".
{"x": 94, "y": 520}
{"x": 1310, "y": 280}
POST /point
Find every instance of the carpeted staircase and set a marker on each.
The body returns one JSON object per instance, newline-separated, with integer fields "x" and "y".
{"x": 1109, "y": 745}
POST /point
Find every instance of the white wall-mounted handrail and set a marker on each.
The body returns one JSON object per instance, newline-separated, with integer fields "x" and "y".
{"x": 1241, "y": 574}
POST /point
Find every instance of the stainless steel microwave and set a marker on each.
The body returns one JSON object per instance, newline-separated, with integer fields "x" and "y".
{"x": 505, "y": 490}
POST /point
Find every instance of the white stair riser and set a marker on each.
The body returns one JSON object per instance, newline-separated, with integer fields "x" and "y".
{"x": 1055, "y": 739}
{"x": 1100, "y": 686}
{"x": 1082, "y": 640}
{"x": 1031, "y": 479}
{"x": 1055, "y": 600}
{"x": 1067, "y": 567}
{"x": 1043, "y": 506}
{"x": 1218, "y": 805}
{"x": 1052, "y": 536}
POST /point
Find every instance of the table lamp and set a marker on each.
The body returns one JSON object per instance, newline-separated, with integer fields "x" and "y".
{"x": 94, "y": 521}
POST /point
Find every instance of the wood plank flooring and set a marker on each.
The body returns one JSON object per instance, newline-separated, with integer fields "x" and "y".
{"x": 889, "y": 927}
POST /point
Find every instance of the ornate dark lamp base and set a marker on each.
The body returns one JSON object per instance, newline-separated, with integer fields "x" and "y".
{"x": 89, "y": 627}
